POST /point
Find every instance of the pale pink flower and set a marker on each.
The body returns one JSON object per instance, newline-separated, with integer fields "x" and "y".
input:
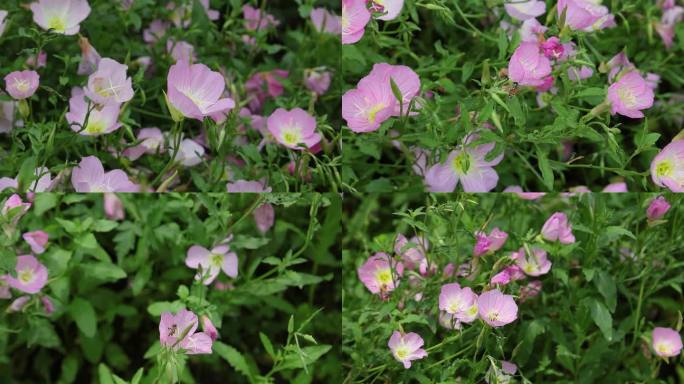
{"x": 109, "y": 84}
{"x": 90, "y": 59}
{"x": 189, "y": 154}
{"x": 406, "y": 80}
{"x": 5, "y": 292}
{"x": 151, "y": 142}
{"x": 293, "y": 128}
{"x": 528, "y": 65}
{"x": 390, "y": 8}
{"x": 42, "y": 183}
{"x": 262, "y": 85}
{"x": 195, "y": 91}
{"x": 467, "y": 165}
{"x": 523, "y": 10}
{"x": 497, "y": 309}
{"x": 510, "y": 273}
{"x": 3, "y": 21}
{"x": 666, "y": 342}
{"x": 181, "y": 51}
{"x": 557, "y": 228}
{"x": 19, "y": 304}
{"x": 524, "y": 195}
{"x": 248, "y": 186}
{"x": 13, "y": 202}
{"x": 413, "y": 255}
{"x": 178, "y": 332}
{"x": 585, "y": 15}
{"x": 209, "y": 328}
{"x": 457, "y": 301}
{"x": 615, "y": 188}
{"x": 60, "y": 16}
{"x": 182, "y": 14}
{"x": 37, "y": 240}
{"x": 668, "y": 22}
{"x": 155, "y": 31}
{"x": 37, "y": 61}
{"x": 101, "y": 120}
{"x": 22, "y": 84}
{"x": 212, "y": 262}
{"x": 318, "y": 81}
{"x": 531, "y": 30}
{"x": 508, "y": 368}
{"x": 366, "y": 108}
{"x": 256, "y": 20}
{"x": 535, "y": 264}
{"x": 90, "y": 176}
{"x": 113, "y": 207}
{"x": 264, "y": 217}
{"x": 326, "y": 21}
{"x": 31, "y": 275}
{"x": 378, "y": 275}
{"x": 667, "y": 167}
{"x": 532, "y": 289}
{"x": 582, "y": 73}
{"x": 355, "y": 16}
{"x": 48, "y": 306}
{"x": 406, "y": 347}
{"x": 488, "y": 244}
{"x": 629, "y": 95}
{"x": 657, "y": 208}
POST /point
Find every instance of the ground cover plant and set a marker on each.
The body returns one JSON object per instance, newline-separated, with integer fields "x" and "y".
{"x": 531, "y": 95}
{"x": 189, "y": 288}
{"x": 504, "y": 288}
{"x": 184, "y": 95}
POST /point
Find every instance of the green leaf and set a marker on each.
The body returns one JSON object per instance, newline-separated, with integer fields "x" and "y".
{"x": 606, "y": 287}
{"x": 601, "y": 316}
{"x": 103, "y": 271}
{"x": 156, "y": 309}
{"x": 613, "y": 232}
{"x": 104, "y": 225}
{"x": 69, "y": 369}
{"x": 396, "y": 91}
{"x": 233, "y": 357}
{"x": 104, "y": 374}
{"x": 307, "y": 356}
{"x": 268, "y": 346}
{"x": 84, "y": 315}
{"x": 44, "y": 202}
{"x": 545, "y": 168}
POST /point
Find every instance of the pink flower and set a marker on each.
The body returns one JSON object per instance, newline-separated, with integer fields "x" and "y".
{"x": 531, "y": 31}
{"x": 585, "y": 15}
{"x": 13, "y": 202}
{"x": 615, "y": 188}
{"x": 557, "y": 228}
{"x": 666, "y": 342}
{"x": 497, "y": 309}
{"x": 37, "y": 61}
{"x": 406, "y": 80}
{"x": 19, "y": 304}
{"x": 4, "y": 288}
{"x": 181, "y": 51}
{"x": 212, "y": 262}
{"x": 552, "y": 48}
{"x": 178, "y": 332}
{"x": 524, "y": 195}
{"x": 113, "y": 207}
{"x": 189, "y": 153}
{"x": 248, "y": 186}
{"x": 668, "y": 22}
{"x": 31, "y": 275}
{"x": 60, "y": 16}
{"x": 457, "y": 301}
{"x": 109, "y": 84}
{"x": 536, "y": 264}
{"x": 194, "y": 90}
{"x": 326, "y": 21}
{"x": 37, "y": 240}
{"x": 22, "y": 85}
{"x": 390, "y": 8}
{"x": 406, "y": 348}
{"x": 629, "y": 95}
{"x": 355, "y": 16}
{"x": 510, "y": 273}
{"x": 467, "y": 165}
{"x": 208, "y": 327}
{"x": 489, "y": 244}
{"x": 263, "y": 85}
{"x": 318, "y": 81}
{"x": 293, "y": 128}
{"x": 413, "y": 256}
{"x": 525, "y": 10}
{"x": 151, "y": 142}
{"x": 90, "y": 59}
{"x": 377, "y": 274}
{"x": 101, "y": 121}
{"x": 532, "y": 289}
{"x": 528, "y": 65}
{"x": 90, "y": 176}
{"x": 582, "y": 73}
{"x": 155, "y": 32}
{"x": 366, "y": 108}
{"x": 255, "y": 20}
{"x": 448, "y": 321}
{"x": 264, "y": 217}
{"x": 48, "y": 306}
{"x": 658, "y": 208}
{"x": 508, "y": 368}
{"x": 667, "y": 167}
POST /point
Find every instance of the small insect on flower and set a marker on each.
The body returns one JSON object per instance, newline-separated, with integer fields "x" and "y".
{"x": 406, "y": 347}
{"x": 666, "y": 342}
{"x": 178, "y": 333}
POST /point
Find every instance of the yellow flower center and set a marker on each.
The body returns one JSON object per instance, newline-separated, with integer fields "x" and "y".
{"x": 216, "y": 260}
{"x": 21, "y": 85}
{"x": 384, "y": 276}
{"x": 373, "y": 111}
{"x": 291, "y": 136}
{"x": 25, "y": 276}
{"x": 402, "y": 352}
{"x": 57, "y": 23}
{"x": 462, "y": 163}
{"x": 493, "y": 316}
{"x": 627, "y": 97}
{"x": 95, "y": 127}
{"x": 472, "y": 311}
{"x": 664, "y": 348}
{"x": 664, "y": 168}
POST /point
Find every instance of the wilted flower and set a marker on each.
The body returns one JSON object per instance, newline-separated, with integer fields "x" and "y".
{"x": 90, "y": 176}
{"x": 31, "y": 275}
{"x": 460, "y": 302}
{"x": 22, "y": 84}
{"x": 666, "y": 342}
{"x": 558, "y": 228}
{"x": 195, "y": 91}
{"x": 524, "y": 195}
{"x": 497, "y": 309}
{"x": 532, "y": 289}
{"x": 355, "y": 16}
{"x": 6, "y": 116}
{"x": 18, "y": 304}
{"x": 48, "y": 306}
{"x": 3, "y": 21}
{"x": 208, "y": 327}
{"x": 37, "y": 240}
{"x": 293, "y": 128}
{"x": 264, "y": 217}
{"x": 178, "y": 332}
{"x": 90, "y": 59}
{"x": 212, "y": 262}
{"x": 668, "y": 22}
{"x": 667, "y": 167}
{"x": 406, "y": 347}
{"x": 378, "y": 275}
{"x": 629, "y": 95}
{"x": 658, "y": 208}
{"x": 60, "y": 16}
